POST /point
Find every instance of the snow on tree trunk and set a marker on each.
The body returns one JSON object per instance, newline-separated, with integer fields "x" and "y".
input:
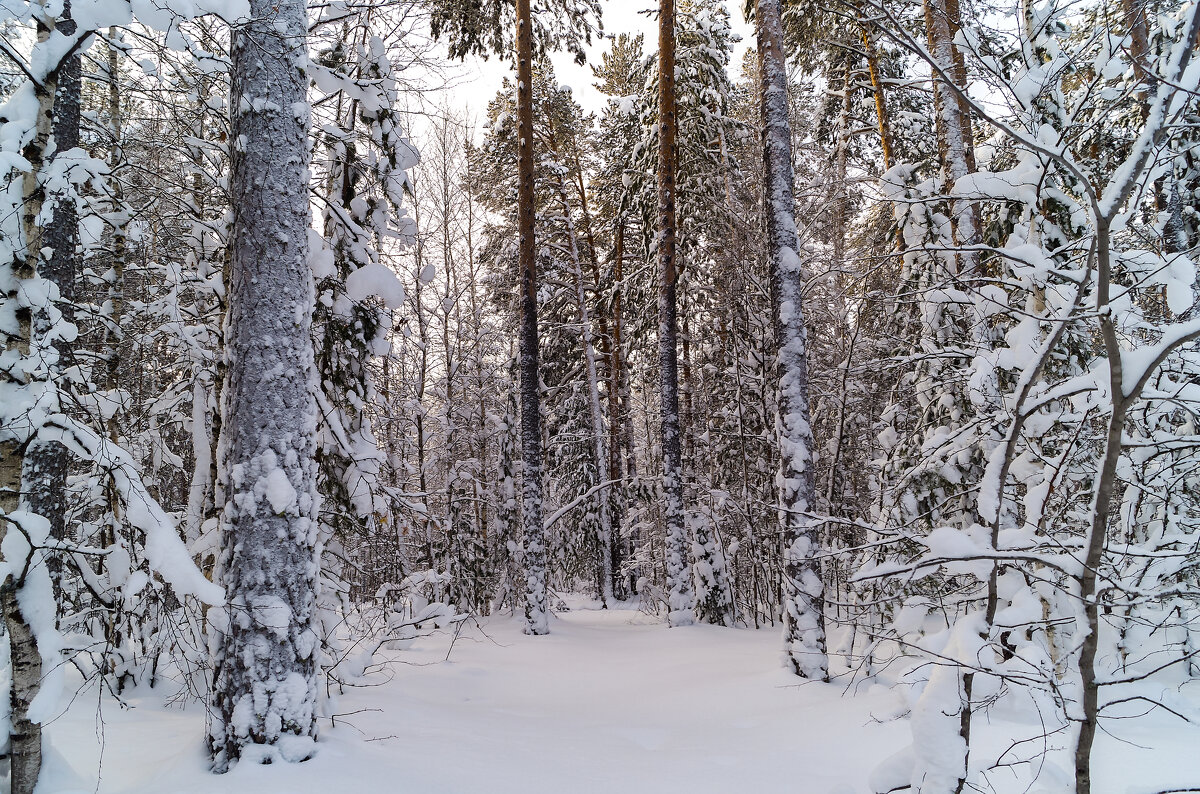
{"x": 803, "y": 595}
{"x": 954, "y": 126}
{"x": 534, "y": 551}
{"x": 679, "y": 576}
{"x": 46, "y": 462}
{"x": 25, "y": 737}
{"x": 265, "y": 676}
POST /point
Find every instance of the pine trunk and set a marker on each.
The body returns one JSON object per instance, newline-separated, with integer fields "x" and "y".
{"x": 265, "y": 666}
{"x": 679, "y": 574}
{"x": 536, "y": 619}
{"x": 803, "y": 594}
{"x": 881, "y": 113}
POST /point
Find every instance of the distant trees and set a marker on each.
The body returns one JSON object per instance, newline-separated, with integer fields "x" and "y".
{"x": 485, "y": 31}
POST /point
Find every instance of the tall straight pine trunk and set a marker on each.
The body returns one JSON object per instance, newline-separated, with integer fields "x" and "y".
{"x": 679, "y": 574}
{"x": 881, "y": 114}
{"x": 803, "y": 593}
{"x": 536, "y": 621}
{"x": 265, "y": 665}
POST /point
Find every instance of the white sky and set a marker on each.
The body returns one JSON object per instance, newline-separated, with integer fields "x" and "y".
{"x": 479, "y": 80}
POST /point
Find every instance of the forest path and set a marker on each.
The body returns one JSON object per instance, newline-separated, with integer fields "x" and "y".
{"x": 610, "y": 701}
{"x": 614, "y": 701}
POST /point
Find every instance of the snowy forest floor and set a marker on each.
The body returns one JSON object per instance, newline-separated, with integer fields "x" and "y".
{"x": 609, "y": 701}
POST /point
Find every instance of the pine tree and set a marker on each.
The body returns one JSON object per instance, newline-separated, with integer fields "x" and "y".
{"x": 264, "y": 681}
{"x": 681, "y": 599}
{"x": 803, "y": 604}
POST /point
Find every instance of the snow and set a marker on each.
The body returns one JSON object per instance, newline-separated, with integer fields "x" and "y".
{"x": 375, "y": 279}
{"x": 608, "y": 701}
{"x": 279, "y": 491}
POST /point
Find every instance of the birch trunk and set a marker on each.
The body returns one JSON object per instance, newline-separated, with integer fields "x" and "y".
{"x": 609, "y": 356}
{"x": 955, "y": 140}
{"x": 265, "y": 665}
{"x": 595, "y": 411}
{"x": 46, "y": 462}
{"x": 25, "y": 737}
{"x": 803, "y": 593}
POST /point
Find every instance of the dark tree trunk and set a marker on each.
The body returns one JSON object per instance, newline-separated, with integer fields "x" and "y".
{"x": 265, "y": 666}
{"x": 679, "y": 573}
{"x": 536, "y": 621}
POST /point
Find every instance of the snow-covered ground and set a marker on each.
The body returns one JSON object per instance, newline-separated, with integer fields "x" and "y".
{"x": 608, "y": 702}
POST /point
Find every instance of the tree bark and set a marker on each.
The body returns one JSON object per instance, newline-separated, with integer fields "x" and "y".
{"x": 536, "y": 620}
{"x": 679, "y": 575}
{"x": 25, "y": 739}
{"x": 803, "y": 593}
{"x": 46, "y": 462}
{"x": 955, "y": 140}
{"x": 265, "y": 666}
{"x": 881, "y": 112}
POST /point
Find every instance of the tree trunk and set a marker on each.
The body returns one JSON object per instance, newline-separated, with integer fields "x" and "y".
{"x": 536, "y": 620}
{"x": 679, "y": 575}
{"x": 596, "y": 413}
{"x": 611, "y": 358}
{"x": 621, "y": 463}
{"x": 265, "y": 666}
{"x": 1102, "y": 498}
{"x": 803, "y": 595}
{"x": 881, "y": 113}
{"x": 25, "y": 739}
{"x": 422, "y": 375}
{"x": 46, "y": 462}
{"x": 955, "y": 140}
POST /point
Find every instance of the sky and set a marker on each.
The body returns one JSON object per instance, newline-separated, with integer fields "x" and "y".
{"x": 479, "y": 80}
